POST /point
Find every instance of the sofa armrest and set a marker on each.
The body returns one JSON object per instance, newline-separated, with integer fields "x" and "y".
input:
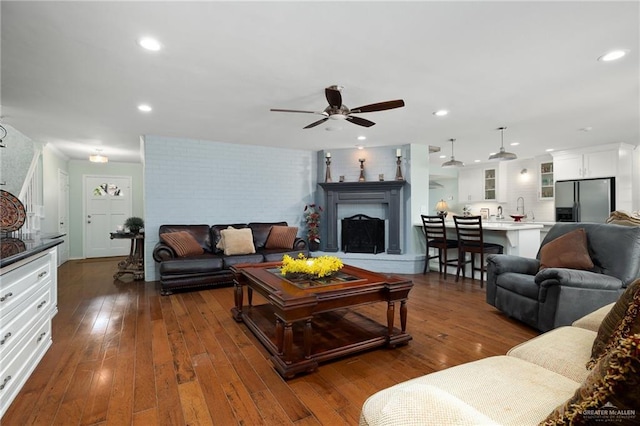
{"x": 577, "y": 278}
{"x": 299, "y": 244}
{"x": 502, "y": 263}
{"x": 163, "y": 252}
{"x": 415, "y": 403}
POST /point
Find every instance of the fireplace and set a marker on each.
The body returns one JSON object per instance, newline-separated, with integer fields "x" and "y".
{"x": 381, "y": 192}
{"x": 362, "y": 234}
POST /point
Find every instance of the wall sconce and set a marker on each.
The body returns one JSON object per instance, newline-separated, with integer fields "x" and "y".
{"x": 441, "y": 208}
{"x": 524, "y": 171}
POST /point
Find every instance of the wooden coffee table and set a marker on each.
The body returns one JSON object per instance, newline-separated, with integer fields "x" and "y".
{"x": 304, "y": 323}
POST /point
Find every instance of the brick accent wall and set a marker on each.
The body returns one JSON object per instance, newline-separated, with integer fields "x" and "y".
{"x": 190, "y": 181}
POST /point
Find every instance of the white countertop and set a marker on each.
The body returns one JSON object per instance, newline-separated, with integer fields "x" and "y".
{"x": 502, "y": 225}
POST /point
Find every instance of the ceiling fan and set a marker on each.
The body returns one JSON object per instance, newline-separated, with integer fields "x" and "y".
{"x": 337, "y": 111}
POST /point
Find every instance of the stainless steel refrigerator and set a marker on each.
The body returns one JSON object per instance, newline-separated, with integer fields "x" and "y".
{"x": 585, "y": 200}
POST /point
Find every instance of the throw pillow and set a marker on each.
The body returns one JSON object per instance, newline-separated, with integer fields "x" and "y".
{"x": 621, "y": 321}
{"x": 567, "y": 251}
{"x": 182, "y": 242}
{"x": 237, "y": 241}
{"x": 281, "y": 237}
{"x": 611, "y": 392}
{"x": 622, "y": 218}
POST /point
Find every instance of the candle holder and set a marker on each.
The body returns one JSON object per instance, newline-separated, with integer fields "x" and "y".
{"x": 398, "y": 169}
{"x": 361, "y": 178}
{"x": 327, "y": 174}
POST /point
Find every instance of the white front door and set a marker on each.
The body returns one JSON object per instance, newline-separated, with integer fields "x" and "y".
{"x": 63, "y": 215}
{"x": 107, "y": 205}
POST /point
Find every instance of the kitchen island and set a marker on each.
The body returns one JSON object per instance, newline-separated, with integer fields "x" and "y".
{"x": 517, "y": 238}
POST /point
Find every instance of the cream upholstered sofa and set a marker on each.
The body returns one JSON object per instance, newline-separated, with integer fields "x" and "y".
{"x": 520, "y": 388}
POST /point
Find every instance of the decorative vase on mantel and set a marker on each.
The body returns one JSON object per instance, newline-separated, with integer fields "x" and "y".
{"x": 314, "y": 245}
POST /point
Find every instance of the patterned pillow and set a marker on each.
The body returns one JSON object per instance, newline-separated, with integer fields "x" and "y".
{"x": 182, "y": 242}
{"x": 281, "y": 237}
{"x": 567, "y": 251}
{"x": 621, "y": 321}
{"x": 611, "y": 392}
{"x": 237, "y": 241}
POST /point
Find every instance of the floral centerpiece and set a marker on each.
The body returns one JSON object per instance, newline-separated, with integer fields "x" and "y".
{"x": 303, "y": 267}
{"x": 312, "y": 218}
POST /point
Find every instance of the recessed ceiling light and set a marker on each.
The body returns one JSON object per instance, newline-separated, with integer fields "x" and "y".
{"x": 586, "y": 129}
{"x": 149, "y": 43}
{"x": 514, "y": 143}
{"x": 549, "y": 149}
{"x": 443, "y": 156}
{"x": 441, "y": 113}
{"x": 145, "y": 108}
{"x": 476, "y": 161}
{"x": 361, "y": 138}
{"x": 360, "y": 146}
{"x": 613, "y": 55}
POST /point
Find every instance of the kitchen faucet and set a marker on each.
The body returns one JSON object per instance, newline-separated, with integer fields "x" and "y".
{"x": 519, "y": 206}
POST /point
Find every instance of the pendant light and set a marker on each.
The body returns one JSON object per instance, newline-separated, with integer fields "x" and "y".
{"x": 453, "y": 162}
{"x": 502, "y": 155}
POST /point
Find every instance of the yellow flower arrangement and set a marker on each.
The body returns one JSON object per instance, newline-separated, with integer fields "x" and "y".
{"x": 318, "y": 267}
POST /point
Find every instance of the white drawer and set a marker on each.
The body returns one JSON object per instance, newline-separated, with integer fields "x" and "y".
{"x": 15, "y": 285}
{"x": 15, "y": 325}
{"x": 23, "y": 359}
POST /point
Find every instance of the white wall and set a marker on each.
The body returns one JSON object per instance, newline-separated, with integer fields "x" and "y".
{"x": 79, "y": 168}
{"x": 52, "y": 161}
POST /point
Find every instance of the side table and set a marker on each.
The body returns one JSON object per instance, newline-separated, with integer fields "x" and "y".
{"x": 134, "y": 263}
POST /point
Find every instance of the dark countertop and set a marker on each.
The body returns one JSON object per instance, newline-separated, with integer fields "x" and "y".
{"x": 15, "y": 249}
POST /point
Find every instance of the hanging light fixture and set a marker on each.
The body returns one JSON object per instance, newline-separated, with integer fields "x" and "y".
{"x": 502, "y": 155}
{"x": 98, "y": 158}
{"x": 453, "y": 162}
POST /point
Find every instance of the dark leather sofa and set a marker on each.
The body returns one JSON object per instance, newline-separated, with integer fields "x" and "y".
{"x": 553, "y": 297}
{"x": 212, "y": 267}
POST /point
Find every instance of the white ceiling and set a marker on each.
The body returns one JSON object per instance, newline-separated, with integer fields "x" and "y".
{"x": 73, "y": 74}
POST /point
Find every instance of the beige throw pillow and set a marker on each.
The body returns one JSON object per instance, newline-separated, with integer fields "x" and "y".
{"x": 237, "y": 241}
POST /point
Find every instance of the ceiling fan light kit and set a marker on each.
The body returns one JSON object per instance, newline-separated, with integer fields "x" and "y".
{"x": 337, "y": 111}
{"x": 502, "y": 155}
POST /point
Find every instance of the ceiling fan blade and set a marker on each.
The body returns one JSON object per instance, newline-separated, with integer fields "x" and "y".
{"x": 360, "y": 121}
{"x": 315, "y": 123}
{"x": 380, "y": 106}
{"x": 294, "y": 110}
{"x": 333, "y": 97}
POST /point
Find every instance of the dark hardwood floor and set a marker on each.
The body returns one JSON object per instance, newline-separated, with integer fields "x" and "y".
{"x": 122, "y": 354}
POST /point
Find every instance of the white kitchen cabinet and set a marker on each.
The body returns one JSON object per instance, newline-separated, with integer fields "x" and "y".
{"x": 477, "y": 184}
{"x": 613, "y": 160}
{"x": 470, "y": 186}
{"x": 28, "y": 299}
{"x": 585, "y": 165}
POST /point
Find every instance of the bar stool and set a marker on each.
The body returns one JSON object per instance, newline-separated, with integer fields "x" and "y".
{"x": 470, "y": 240}
{"x": 436, "y": 237}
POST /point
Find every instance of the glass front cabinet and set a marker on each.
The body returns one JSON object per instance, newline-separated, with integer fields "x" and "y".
{"x": 546, "y": 182}
{"x": 490, "y": 184}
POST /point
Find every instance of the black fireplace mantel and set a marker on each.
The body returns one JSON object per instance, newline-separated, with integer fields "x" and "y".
{"x": 380, "y": 192}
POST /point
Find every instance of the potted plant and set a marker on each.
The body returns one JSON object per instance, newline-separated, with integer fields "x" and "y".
{"x": 134, "y": 224}
{"x": 312, "y": 218}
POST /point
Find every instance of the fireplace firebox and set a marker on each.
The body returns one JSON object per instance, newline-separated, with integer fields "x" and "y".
{"x": 362, "y": 234}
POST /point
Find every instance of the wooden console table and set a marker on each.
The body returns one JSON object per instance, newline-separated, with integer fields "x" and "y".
{"x": 303, "y": 324}
{"x": 134, "y": 263}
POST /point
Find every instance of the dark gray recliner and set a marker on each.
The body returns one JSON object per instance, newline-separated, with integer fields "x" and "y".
{"x": 554, "y": 297}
